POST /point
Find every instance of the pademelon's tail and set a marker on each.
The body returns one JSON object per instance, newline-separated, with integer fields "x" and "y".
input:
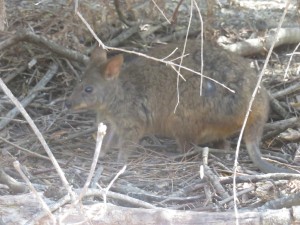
{"x": 252, "y": 136}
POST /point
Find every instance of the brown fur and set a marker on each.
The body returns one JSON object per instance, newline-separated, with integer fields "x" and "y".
{"x": 141, "y": 98}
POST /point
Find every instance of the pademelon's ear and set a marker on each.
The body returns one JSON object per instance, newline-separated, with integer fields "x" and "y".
{"x": 112, "y": 67}
{"x": 98, "y": 56}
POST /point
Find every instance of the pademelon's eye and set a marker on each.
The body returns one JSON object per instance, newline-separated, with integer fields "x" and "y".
{"x": 88, "y": 89}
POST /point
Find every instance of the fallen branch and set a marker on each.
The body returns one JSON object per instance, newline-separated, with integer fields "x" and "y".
{"x": 42, "y": 41}
{"x": 14, "y": 186}
{"x": 39, "y": 136}
{"x": 34, "y": 92}
{"x": 257, "y": 45}
{"x": 101, "y": 213}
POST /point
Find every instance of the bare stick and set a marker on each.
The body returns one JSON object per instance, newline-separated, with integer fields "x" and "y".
{"x": 15, "y": 186}
{"x": 118, "y": 196}
{"x": 121, "y": 15}
{"x": 161, "y": 11}
{"x": 289, "y": 35}
{"x": 201, "y": 51}
{"x": 40, "y": 40}
{"x": 181, "y": 58}
{"x": 291, "y": 89}
{"x": 215, "y": 180}
{"x": 100, "y": 134}
{"x": 145, "y": 55}
{"x": 111, "y": 183}
{"x": 39, "y": 136}
{"x": 230, "y": 198}
{"x": 260, "y": 177}
{"x": 24, "y": 149}
{"x": 290, "y": 60}
{"x": 34, "y": 92}
{"x": 41, "y": 201}
{"x": 284, "y": 202}
{"x": 248, "y": 112}
{"x": 58, "y": 204}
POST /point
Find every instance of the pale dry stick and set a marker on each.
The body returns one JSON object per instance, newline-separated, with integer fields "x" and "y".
{"x": 15, "y": 186}
{"x": 171, "y": 60}
{"x": 181, "y": 58}
{"x": 201, "y": 51}
{"x": 283, "y": 202}
{"x": 124, "y": 198}
{"x": 215, "y": 181}
{"x": 151, "y": 30}
{"x": 39, "y": 136}
{"x": 290, "y": 60}
{"x": 260, "y": 177}
{"x": 111, "y": 183}
{"x": 146, "y": 56}
{"x": 29, "y": 36}
{"x": 160, "y": 10}
{"x": 41, "y": 201}
{"x": 100, "y": 134}
{"x": 170, "y": 63}
{"x": 249, "y": 109}
{"x": 205, "y": 154}
{"x": 230, "y": 198}
{"x": 24, "y": 149}
{"x": 88, "y": 26}
{"x": 97, "y": 176}
{"x": 33, "y": 93}
{"x": 53, "y": 207}
{"x": 165, "y": 58}
{"x": 282, "y": 93}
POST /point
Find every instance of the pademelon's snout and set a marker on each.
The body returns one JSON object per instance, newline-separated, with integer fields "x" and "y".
{"x": 76, "y": 106}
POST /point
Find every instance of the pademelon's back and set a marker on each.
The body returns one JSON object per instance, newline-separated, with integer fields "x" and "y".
{"x": 157, "y": 84}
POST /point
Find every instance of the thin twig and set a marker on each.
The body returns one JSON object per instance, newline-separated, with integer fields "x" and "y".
{"x": 24, "y": 149}
{"x": 111, "y": 183}
{"x": 145, "y": 55}
{"x": 34, "y": 92}
{"x": 39, "y": 136}
{"x": 201, "y": 50}
{"x": 41, "y": 201}
{"x": 161, "y": 11}
{"x": 290, "y": 60}
{"x": 15, "y": 186}
{"x": 100, "y": 134}
{"x": 248, "y": 112}
{"x": 181, "y": 58}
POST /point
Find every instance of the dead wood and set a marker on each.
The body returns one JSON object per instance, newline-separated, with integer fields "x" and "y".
{"x": 216, "y": 183}
{"x": 101, "y": 213}
{"x": 257, "y": 45}
{"x": 32, "y": 94}
{"x": 287, "y": 91}
{"x": 11, "y": 76}
{"x": 14, "y": 186}
{"x": 284, "y": 202}
{"x": 27, "y": 36}
{"x": 290, "y": 134}
{"x": 121, "y": 16}
{"x": 260, "y": 177}
{"x": 277, "y": 107}
{"x": 275, "y": 128}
